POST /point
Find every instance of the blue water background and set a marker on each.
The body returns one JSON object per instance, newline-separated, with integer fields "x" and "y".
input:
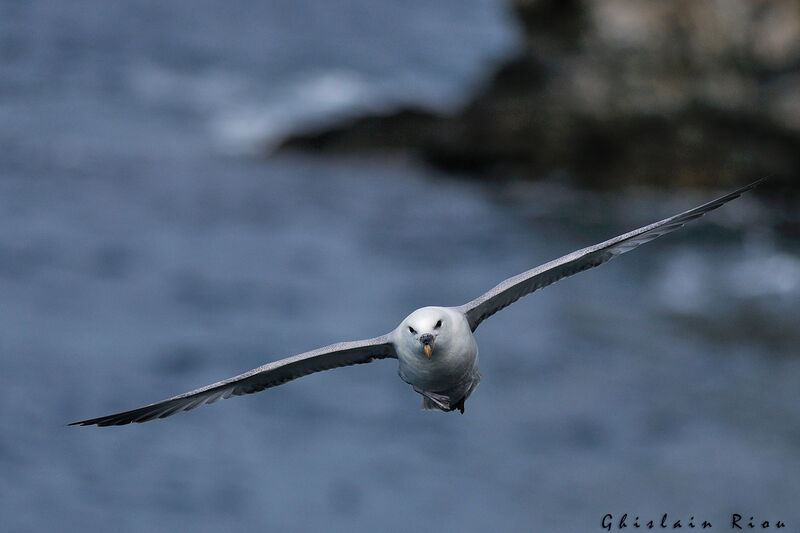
{"x": 146, "y": 249}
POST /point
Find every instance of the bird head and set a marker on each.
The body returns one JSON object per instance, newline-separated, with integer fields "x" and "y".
{"x": 423, "y": 327}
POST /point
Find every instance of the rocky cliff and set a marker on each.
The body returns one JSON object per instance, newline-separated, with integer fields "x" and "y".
{"x": 610, "y": 92}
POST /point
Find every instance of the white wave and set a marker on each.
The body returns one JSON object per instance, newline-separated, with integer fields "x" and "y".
{"x": 242, "y": 114}
{"x": 765, "y": 273}
{"x": 257, "y": 124}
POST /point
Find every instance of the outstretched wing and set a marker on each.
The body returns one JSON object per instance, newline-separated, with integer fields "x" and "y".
{"x": 515, "y": 288}
{"x": 258, "y": 379}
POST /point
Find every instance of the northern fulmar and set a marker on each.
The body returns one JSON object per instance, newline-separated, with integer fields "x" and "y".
{"x": 434, "y": 346}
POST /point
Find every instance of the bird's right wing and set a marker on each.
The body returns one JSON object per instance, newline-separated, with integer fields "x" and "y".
{"x": 258, "y": 379}
{"x": 512, "y": 289}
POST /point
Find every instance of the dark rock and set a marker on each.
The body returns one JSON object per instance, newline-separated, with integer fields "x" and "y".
{"x": 616, "y": 92}
{"x": 407, "y": 128}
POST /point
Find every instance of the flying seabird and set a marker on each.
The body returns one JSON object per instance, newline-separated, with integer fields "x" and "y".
{"x": 434, "y": 346}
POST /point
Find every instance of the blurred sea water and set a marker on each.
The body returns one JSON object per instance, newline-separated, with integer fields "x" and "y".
{"x": 143, "y": 253}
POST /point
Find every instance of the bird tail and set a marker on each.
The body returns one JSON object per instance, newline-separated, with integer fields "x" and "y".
{"x": 435, "y": 402}
{"x": 432, "y": 401}
{"x": 429, "y": 404}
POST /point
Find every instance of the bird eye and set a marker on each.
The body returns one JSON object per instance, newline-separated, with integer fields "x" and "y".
{"x": 438, "y": 325}
{"x": 412, "y": 330}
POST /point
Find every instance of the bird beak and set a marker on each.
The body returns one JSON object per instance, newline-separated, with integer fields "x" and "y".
{"x": 427, "y": 341}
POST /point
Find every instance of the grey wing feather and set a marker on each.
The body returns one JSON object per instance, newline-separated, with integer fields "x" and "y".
{"x": 512, "y": 289}
{"x": 258, "y": 379}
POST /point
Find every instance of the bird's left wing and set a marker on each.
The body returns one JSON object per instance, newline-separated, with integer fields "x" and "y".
{"x": 512, "y": 289}
{"x": 258, "y": 379}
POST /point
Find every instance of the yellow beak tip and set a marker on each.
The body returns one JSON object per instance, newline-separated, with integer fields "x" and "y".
{"x": 428, "y": 350}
